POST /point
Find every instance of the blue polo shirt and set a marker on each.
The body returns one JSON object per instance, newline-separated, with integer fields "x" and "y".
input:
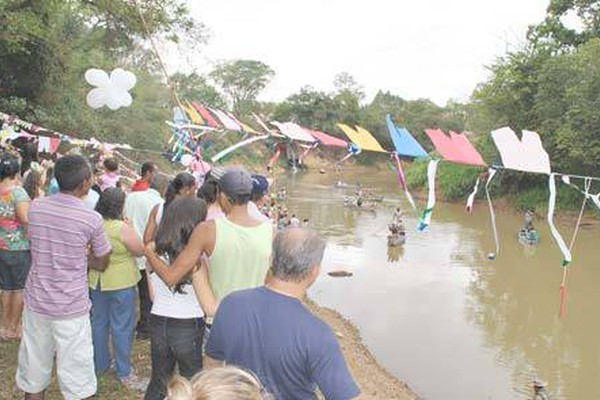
{"x": 283, "y": 343}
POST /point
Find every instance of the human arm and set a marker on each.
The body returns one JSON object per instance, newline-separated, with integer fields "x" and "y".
{"x": 151, "y": 226}
{"x": 22, "y": 201}
{"x": 330, "y": 370}
{"x": 131, "y": 240}
{"x": 148, "y": 273}
{"x": 204, "y": 293}
{"x": 201, "y": 241}
{"x": 99, "y": 255}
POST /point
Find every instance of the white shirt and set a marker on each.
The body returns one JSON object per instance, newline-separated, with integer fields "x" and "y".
{"x": 255, "y": 212}
{"x": 91, "y": 199}
{"x": 138, "y": 206}
{"x": 172, "y": 304}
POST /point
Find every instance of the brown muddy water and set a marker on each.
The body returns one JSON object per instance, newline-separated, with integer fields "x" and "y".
{"x": 442, "y": 317}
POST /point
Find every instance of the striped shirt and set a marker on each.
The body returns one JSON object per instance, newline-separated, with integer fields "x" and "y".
{"x": 60, "y": 230}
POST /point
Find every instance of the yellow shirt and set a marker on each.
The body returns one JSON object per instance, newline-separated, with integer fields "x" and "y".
{"x": 122, "y": 271}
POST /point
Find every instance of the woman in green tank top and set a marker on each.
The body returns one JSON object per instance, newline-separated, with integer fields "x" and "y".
{"x": 113, "y": 291}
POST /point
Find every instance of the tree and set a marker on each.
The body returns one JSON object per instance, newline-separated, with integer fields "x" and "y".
{"x": 195, "y": 87}
{"x": 553, "y": 35}
{"x": 242, "y": 81}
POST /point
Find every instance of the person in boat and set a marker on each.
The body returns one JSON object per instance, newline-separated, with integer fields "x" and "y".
{"x": 539, "y": 390}
{"x": 529, "y": 220}
{"x": 397, "y": 217}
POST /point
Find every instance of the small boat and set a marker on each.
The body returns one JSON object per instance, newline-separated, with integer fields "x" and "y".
{"x": 530, "y": 236}
{"x": 397, "y": 239}
{"x": 377, "y": 199}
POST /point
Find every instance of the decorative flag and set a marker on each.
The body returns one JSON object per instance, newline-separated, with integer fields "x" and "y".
{"x": 193, "y": 114}
{"x": 294, "y": 131}
{"x": 328, "y": 140}
{"x": 455, "y": 147}
{"x": 426, "y": 217}
{"x": 402, "y": 180}
{"x": 491, "y": 174}
{"x": 527, "y": 154}
{"x": 206, "y": 115}
{"x": 405, "y": 144}
{"x": 471, "y": 198}
{"x": 236, "y": 146}
{"x": 555, "y": 233}
{"x": 362, "y": 138}
{"x": 228, "y": 122}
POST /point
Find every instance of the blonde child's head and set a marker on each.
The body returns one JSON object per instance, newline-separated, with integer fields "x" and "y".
{"x": 224, "y": 383}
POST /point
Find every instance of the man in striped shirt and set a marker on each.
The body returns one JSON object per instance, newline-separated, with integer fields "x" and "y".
{"x": 66, "y": 239}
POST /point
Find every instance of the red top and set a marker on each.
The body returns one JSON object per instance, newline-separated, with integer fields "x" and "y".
{"x": 140, "y": 186}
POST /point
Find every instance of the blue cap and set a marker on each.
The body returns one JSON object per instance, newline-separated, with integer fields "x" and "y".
{"x": 260, "y": 185}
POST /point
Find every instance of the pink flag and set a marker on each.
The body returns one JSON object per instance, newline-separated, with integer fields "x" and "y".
{"x": 455, "y": 147}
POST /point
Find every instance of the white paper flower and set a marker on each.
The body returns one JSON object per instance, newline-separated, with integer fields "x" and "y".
{"x": 112, "y": 91}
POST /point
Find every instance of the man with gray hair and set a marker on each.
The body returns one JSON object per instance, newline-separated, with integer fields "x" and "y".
{"x": 270, "y": 332}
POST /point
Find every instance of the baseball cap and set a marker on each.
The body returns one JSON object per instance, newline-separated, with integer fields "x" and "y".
{"x": 260, "y": 184}
{"x": 236, "y": 181}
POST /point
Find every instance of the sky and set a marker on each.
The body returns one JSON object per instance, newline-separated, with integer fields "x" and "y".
{"x": 435, "y": 49}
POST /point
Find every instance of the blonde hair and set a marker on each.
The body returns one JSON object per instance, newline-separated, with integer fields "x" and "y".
{"x": 179, "y": 388}
{"x": 223, "y": 383}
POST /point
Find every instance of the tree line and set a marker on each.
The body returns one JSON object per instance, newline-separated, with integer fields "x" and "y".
{"x": 550, "y": 85}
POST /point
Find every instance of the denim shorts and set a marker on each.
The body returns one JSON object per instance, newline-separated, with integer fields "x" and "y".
{"x": 14, "y": 267}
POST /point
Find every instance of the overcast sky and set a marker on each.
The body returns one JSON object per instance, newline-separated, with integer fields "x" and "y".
{"x": 435, "y": 49}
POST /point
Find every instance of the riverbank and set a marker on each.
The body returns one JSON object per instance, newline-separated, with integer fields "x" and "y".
{"x": 374, "y": 380}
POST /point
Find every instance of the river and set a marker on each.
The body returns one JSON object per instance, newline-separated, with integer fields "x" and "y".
{"x": 442, "y": 317}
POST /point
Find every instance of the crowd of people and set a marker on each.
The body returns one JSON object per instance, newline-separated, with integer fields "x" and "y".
{"x": 218, "y": 281}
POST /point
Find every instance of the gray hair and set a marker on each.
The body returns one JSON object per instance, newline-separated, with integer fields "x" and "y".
{"x": 295, "y": 252}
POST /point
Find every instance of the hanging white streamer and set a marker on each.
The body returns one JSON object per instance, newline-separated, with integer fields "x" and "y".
{"x": 555, "y": 233}
{"x": 236, "y": 146}
{"x": 491, "y": 174}
{"x": 426, "y": 217}
{"x": 471, "y": 198}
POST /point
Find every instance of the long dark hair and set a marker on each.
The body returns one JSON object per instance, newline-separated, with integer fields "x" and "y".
{"x": 33, "y": 183}
{"x": 181, "y": 181}
{"x": 209, "y": 191}
{"x": 9, "y": 166}
{"x": 110, "y": 204}
{"x": 176, "y": 227}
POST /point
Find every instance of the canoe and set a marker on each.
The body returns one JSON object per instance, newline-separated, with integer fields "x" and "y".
{"x": 529, "y": 237}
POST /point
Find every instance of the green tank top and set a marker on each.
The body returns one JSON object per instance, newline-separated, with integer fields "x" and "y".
{"x": 122, "y": 271}
{"x": 241, "y": 257}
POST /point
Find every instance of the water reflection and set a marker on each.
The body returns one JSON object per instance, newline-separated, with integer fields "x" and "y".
{"x": 442, "y": 317}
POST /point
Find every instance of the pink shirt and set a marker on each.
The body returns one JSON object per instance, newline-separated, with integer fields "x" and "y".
{"x": 108, "y": 180}
{"x": 60, "y": 230}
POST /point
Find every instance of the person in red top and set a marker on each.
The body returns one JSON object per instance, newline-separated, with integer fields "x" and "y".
{"x": 148, "y": 171}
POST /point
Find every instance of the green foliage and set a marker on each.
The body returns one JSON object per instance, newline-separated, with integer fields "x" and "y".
{"x": 242, "y": 81}
{"x": 194, "y": 87}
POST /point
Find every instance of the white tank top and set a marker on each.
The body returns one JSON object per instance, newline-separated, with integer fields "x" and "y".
{"x": 173, "y": 304}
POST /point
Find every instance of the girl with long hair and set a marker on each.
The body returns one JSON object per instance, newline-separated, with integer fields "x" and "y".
{"x": 184, "y": 184}
{"x": 176, "y": 320}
